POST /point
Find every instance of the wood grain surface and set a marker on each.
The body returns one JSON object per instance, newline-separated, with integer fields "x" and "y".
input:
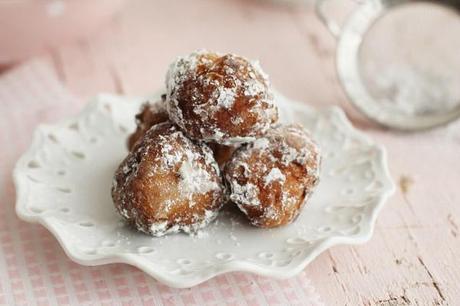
{"x": 413, "y": 256}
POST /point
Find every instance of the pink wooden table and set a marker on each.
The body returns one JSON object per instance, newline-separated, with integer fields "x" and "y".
{"x": 412, "y": 258}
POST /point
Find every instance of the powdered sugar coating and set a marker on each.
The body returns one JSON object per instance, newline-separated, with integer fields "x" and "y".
{"x": 168, "y": 183}
{"x": 221, "y": 98}
{"x": 274, "y": 175}
{"x": 271, "y": 178}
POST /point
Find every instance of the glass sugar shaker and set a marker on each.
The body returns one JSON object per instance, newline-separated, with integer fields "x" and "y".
{"x": 399, "y": 61}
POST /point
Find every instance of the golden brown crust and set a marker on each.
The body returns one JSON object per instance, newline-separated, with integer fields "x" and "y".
{"x": 168, "y": 183}
{"x": 220, "y": 98}
{"x": 149, "y": 115}
{"x": 271, "y": 178}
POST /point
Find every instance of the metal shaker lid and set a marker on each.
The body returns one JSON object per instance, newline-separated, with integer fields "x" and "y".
{"x": 400, "y": 92}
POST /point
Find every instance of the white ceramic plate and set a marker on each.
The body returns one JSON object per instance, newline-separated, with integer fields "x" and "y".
{"x": 63, "y": 182}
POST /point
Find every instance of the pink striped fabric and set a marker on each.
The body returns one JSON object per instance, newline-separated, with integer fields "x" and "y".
{"x": 33, "y": 268}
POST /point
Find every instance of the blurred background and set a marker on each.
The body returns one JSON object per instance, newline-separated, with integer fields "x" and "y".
{"x": 125, "y": 46}
{"x": 408, "y": 58}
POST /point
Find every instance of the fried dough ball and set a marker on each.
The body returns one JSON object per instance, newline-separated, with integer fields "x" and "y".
{"x": 271, "y": 178}
{"x": 220, "y": 98}
{"x": 168, "y": 183}
{"x": 149, "y": 115}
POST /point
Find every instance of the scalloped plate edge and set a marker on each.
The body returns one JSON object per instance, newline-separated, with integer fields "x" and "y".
{"x": 184, "y": 282}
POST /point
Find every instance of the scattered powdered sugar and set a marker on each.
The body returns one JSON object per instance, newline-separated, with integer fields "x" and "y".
{"x": 159, "y": 227}
{"x": 233, "y": 237}
{"x": 247, "y": 193}
{"x": 270, "y": 213}
{"x": 237, "y": 120}
{"x": 291, "y": 154}
{"x": 194, "y": 179}
{"x": 201, "y": 234}
{"x": 261, "y": 143}
{"x": 226, "y": 97}
{"x": 235, "y": 140}
{"x": 274, "y": 175}
{"x": 169, "y": 155}
{"x": 252, "y": 88}
{"x": 125, "y": 169}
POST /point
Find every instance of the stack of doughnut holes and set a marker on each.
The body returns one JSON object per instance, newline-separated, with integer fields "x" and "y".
{"x": 212, "y": 140}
